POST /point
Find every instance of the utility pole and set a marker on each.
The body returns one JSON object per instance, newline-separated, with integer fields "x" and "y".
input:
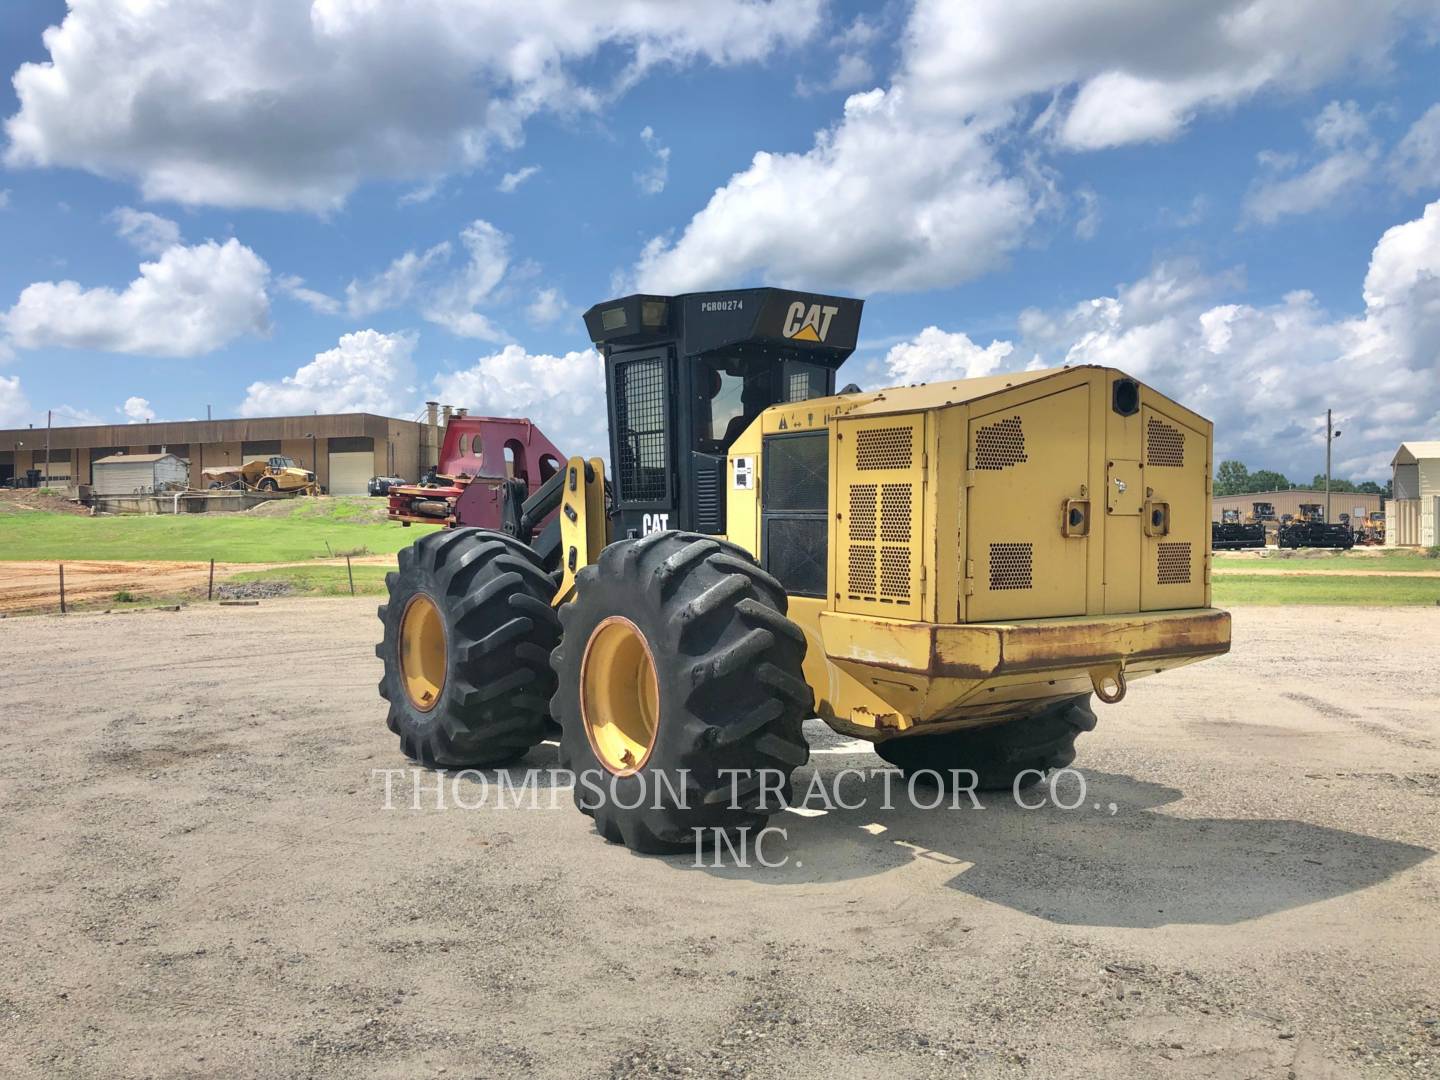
{"x": 49, "y": 413}
{"x": 1330, "y": 436}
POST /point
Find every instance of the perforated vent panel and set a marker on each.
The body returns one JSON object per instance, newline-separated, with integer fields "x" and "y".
{"x": 1164, "y": 445}
{"x": 862, "y": 572}
{"x": 1011, "y": 566}
{"x": 895, "y": 513}
{"x": 895, "y": 572}
{"x": 1000, "y": 445}
{"x": 862, "y": 511}
{"x": 1172, "y": 564}
{"x": 885, "y": 448}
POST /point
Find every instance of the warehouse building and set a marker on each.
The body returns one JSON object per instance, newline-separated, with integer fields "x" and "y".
{"x": 1413, "y": 519}
{"x": 343, "y": 449}
{"x": 1354, "y": 503}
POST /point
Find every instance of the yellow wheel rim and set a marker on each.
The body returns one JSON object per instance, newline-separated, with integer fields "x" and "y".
{"x": 422, "y": 652}
{"x": 619, "y": 696}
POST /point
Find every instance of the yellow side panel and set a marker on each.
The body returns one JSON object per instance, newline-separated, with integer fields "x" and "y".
{"x": 1023, "y": 462}
{"x": 1176, "y": 466}
{"x": 876, "y": 561}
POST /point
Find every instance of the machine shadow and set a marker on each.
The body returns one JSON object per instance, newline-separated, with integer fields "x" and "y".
{"x": 1083, "y": 867}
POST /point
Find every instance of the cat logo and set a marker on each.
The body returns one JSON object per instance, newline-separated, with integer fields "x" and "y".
{"x": 810, "y": 323}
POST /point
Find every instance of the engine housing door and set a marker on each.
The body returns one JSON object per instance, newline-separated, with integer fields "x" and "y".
{"x": 1024, "y": 462}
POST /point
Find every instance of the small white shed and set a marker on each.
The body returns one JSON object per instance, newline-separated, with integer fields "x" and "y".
{"x": 140, "y": 474}
{"x": 1412, "y": 517}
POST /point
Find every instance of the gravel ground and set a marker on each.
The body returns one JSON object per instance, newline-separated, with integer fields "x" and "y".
{"x": 202, "y": 879}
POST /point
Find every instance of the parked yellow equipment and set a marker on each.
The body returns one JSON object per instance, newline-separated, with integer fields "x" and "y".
{"x": 948, "y": 571}
{"x": 275, "y": 473}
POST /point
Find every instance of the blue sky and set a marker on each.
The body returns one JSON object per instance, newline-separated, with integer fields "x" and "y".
{"x": 1236, "y": 201}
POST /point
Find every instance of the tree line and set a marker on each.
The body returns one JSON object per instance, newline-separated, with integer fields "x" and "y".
{"x": 1234, "y": 478}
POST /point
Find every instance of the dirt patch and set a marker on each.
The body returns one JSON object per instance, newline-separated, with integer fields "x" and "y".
{"x": 202, "y": 879}
{"x": 28, "y": 500}
{"x": 35, "y": 586}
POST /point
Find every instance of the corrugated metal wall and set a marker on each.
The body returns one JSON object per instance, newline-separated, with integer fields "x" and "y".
{"x": 129, "y": 477}
{"x": 171, "y": 472}
{"x": 1288, "y": 502}
{"x": 1402, "y": 523}
{"x": 123, "y": 477}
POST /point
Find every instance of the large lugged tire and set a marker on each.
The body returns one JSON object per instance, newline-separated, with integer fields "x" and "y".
{"x": 468, "y": 634}
{"x": 999, "y": 753}
{"x": 677, "y": 662}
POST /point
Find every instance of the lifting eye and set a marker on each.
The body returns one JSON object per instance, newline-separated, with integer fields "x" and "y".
{"x": 1125, "y": 397}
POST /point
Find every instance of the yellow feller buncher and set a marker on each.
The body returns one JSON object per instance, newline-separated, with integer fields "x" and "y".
{"x": 949, "y": 571}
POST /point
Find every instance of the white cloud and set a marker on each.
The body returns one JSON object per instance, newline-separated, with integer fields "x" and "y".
{"x": 189, "y": 301}
{"x": 852, "y": 71}
{"x": 890, "y": 198}
{"x": 395, "y": 284}
{"x": 443, "y": 293}
{"x": 652, "y": 179}
{"x": 1265, "y": 373}
{"x": 147, "y": 233}
{"x": 934, "y": 179}
{"x": 1088, "y": 223}
{"x": 1415, "y": 164}
{"x": 1348, "y": 154}
{"x": 282, "y": 104}
{"x": 1194, "y": 213}
{"x": 452, "y": 303}
{"x": 14, "y": 407}
{"x": 138, "y": 410}
{"x": 366, "y": 372}
{"x": 564, "y": 395}
{"x": 937, "y": 356}
{"x": 1137, "y": 70}
{"x": 861, "y": 32}
{"x": 294, "y": 286}
{"x": 547, "y": 307}
{"x": 512, "y": 180}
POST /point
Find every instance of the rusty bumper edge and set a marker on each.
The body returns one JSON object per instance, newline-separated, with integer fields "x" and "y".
{"x": 1058, "y": 644}
{"x": 1047, "y": 645}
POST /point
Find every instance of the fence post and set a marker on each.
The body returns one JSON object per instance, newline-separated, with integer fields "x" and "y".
{"x": 351, "y": 574}
{"x": 210, "y": 594}
{"x": 62, "y": 588}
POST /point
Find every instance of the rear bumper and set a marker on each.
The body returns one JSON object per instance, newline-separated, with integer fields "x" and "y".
{"x": 1157, "y": 639}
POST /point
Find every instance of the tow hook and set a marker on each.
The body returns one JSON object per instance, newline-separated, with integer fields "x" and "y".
{"x": 1109, "y": 683}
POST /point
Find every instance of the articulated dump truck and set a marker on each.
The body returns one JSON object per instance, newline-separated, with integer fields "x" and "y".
{"x": 952, "y": 571}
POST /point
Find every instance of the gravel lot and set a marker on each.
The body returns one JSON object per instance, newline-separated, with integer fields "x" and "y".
{"x": 201, "y": 879}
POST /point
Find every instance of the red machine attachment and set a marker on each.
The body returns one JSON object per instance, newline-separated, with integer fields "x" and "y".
{"x": 480, "y": 457}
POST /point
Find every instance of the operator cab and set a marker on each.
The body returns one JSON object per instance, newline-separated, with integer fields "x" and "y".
{"x": 686, "y": 375}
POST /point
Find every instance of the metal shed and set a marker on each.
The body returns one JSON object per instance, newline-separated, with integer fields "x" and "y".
{"x": 140, "y": 474}
{"x": 1413, "y": 516}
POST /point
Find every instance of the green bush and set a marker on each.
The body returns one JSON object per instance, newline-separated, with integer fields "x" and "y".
{"x": 1433, "y": 552}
